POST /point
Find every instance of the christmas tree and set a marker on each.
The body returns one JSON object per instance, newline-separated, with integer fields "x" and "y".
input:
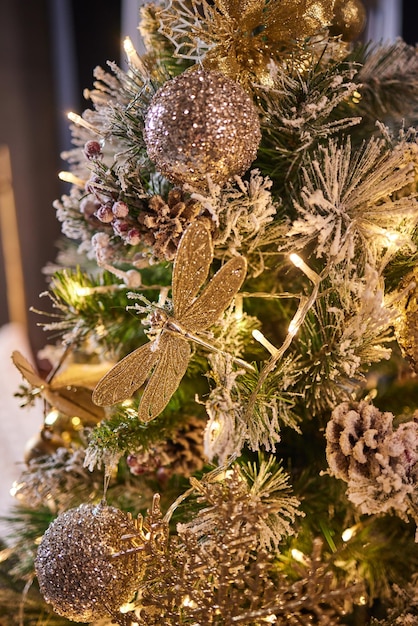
{"x": 231, "y": 420}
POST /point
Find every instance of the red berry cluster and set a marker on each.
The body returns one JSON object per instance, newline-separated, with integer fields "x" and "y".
{"x": 100, "y": 204}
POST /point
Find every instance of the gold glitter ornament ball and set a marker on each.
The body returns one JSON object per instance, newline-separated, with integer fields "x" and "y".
{"x": 76, "y": 572}
{"x": 201, "y": 123}
{"x": 349, "y": 19}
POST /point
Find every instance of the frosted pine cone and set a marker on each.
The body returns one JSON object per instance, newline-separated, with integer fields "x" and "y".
{"x": 403, "y": 450}
{"x": 379, "y": 464}
{"x": 166, "y": 220}
{"x": 354, "y": 434}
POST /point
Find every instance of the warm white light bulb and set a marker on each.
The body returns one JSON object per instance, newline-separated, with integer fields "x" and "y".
{"x": 187, "y": 601}
{"x": 258, "y": 336}
{"x": 132, "y": 55}
{"x": 73, "y": 117}
{"x": 296, "y": 260}
{"x": 52, "y": 417}
{"x": 393, "y": 239}
{"x": 125, "y": 608}
{"x": 14, "y": 489}
{"x": 215, "y": 427}
{"x": 348, "y": 533}
{"x": 68, "y": 177}
{"x": 300, "y": 263}
{"x": 82, "y": 292}
{"x": 298, "y": 556}
{"x": 128, "y": 47}
{"x": 80, "y": 121}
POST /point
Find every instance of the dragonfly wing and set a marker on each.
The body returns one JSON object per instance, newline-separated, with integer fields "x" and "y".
{"x": 216, "y": 296}
{"x": 191, "y": 267}
{"x": 166, "y": 377}
{"x": 126, "y": 376}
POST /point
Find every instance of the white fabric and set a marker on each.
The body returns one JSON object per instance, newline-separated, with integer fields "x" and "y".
{"x": 17, "y": 425}
{"x": 384, "y": 21}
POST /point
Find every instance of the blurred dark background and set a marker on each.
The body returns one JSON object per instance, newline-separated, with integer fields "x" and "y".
{"x": 48, "y": 50}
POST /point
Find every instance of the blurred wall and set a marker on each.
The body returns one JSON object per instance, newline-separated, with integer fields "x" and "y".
{"x": 48, "y": 50}
{"x": 27, "y": 127}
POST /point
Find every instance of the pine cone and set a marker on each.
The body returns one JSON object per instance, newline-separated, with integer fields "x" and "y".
{"x": 403, "y": 450}
{"x": 406, "y": 326}
{"x": 165, "y": 222}
{"x": 180, "y": 454}
{"x": 185, "y": 449}
{"x": 379, "y": 464}
{"x": 355, "y": 433}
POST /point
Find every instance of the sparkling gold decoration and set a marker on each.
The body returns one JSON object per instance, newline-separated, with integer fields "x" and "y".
{"x": 76, "y": 571}
{"x": 168, "y": 355}
{"x": 240, "y": 38}
{"x": 318, "y": 14}
{"x": 59, "y": 430}
{"x": 349, "y": 19}
{"x": 202, "y": 123}
{"x": 406, "y": 326}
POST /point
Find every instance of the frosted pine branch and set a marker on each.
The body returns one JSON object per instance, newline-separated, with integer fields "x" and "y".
{"x": 348, "y": 328}
{"x": 348, "y": 206}
{"x": 242, "y": 212}
{"x": 389, "y": 82}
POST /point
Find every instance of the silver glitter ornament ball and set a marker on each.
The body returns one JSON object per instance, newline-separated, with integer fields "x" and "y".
{"x": 76, "y": 572}
{"x": 201, "y": 123}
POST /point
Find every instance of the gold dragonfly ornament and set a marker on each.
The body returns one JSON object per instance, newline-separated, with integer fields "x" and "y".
{"x": 165, "y": 359}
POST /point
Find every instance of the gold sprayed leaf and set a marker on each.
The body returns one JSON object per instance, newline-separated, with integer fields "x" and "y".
{"x": 80, "y": 375}
{"x": 165, "y": 359}
{"x": 66, "y": 398}
{"x": 27, "y": 370}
